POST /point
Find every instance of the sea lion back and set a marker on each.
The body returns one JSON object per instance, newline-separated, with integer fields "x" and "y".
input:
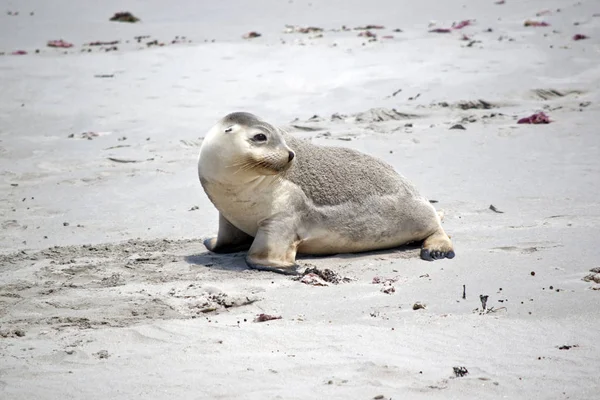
{"x": 331, "y": 176}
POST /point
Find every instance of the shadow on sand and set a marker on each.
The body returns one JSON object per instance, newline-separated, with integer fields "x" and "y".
{"x": 405, "y": 251}
{"x": 236, "y": 262}
{"x": 227, "y": 262}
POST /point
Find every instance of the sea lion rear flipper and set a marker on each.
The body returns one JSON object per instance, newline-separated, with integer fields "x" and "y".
{"x": 274, "y": 247}
{"x": 437, "y": 246}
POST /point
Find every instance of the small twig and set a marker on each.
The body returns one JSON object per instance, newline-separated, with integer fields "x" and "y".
{"x": 464, "y": 292}
{"x": 493, "y": 310}
{"x": 117, "y": 147}
{"x": 120, "y": 160}
{"x": 494, "y": 209}
{"x": 483, "y": 300}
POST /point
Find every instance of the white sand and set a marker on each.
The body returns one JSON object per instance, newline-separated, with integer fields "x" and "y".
{"x": 142, "y": 289}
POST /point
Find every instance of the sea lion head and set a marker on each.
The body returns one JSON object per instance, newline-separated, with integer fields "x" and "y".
{"x": 244, "y": 144}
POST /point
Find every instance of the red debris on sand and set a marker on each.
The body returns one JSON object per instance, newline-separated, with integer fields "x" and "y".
{"x": 313, "y": 280}
{"x": 265, "y": 317}
{"x": 19, "y": 53}
{"x": 537, "y": 118}
{"x": 465, "y": 37}
{"x": 59, "y": 43}
{"x": 367, "y": 34}
{"x": 579, "y": 36}
{"x": 441, "y": 30}
{"x": 544, "y": 12}
{"x": 461, "y": 24}
{"x": 251, "y": 35}
{"x": 535, "y": 23}
{"x": 388, "y": 37}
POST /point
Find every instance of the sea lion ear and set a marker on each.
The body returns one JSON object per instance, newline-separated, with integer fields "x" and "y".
{"x": 228, "y": 130}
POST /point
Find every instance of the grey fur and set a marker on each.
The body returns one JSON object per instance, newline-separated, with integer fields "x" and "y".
{"x": 334, "y": 175}
{"x": 241, "y": 118}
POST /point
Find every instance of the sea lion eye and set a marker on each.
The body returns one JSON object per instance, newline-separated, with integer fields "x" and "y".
{"x": 259, "y": 138}
{"x": 228, "y": 130}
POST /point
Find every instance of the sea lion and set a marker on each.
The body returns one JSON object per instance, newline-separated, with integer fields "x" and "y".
{"x": 278, "y": 196}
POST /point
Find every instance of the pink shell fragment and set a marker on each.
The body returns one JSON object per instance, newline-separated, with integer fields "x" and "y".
{"x": 19, "y": 53}
{"x": 59, "y": 43}
{"x": 537, "y": 118}
{"x": 461, "y": 24}
{"x": 266, "y": 317}
{"x": 579, "y": 36}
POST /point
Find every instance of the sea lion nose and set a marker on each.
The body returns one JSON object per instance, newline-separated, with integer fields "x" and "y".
{"x": 291, "y": 156}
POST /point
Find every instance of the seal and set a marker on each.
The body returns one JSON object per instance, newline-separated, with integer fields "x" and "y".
{"x": 279, "y": 196}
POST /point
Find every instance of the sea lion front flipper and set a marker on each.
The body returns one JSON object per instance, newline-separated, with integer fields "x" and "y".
{"x": 275, "y": 245}
{"x": 229, "y": 239}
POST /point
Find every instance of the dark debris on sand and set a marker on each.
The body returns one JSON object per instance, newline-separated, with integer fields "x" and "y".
{"x": 124, "y": 16}
{"x": 326, "y": 275}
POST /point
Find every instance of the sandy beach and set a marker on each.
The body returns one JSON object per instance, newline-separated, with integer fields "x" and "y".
{"x": 107, "y": 292}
